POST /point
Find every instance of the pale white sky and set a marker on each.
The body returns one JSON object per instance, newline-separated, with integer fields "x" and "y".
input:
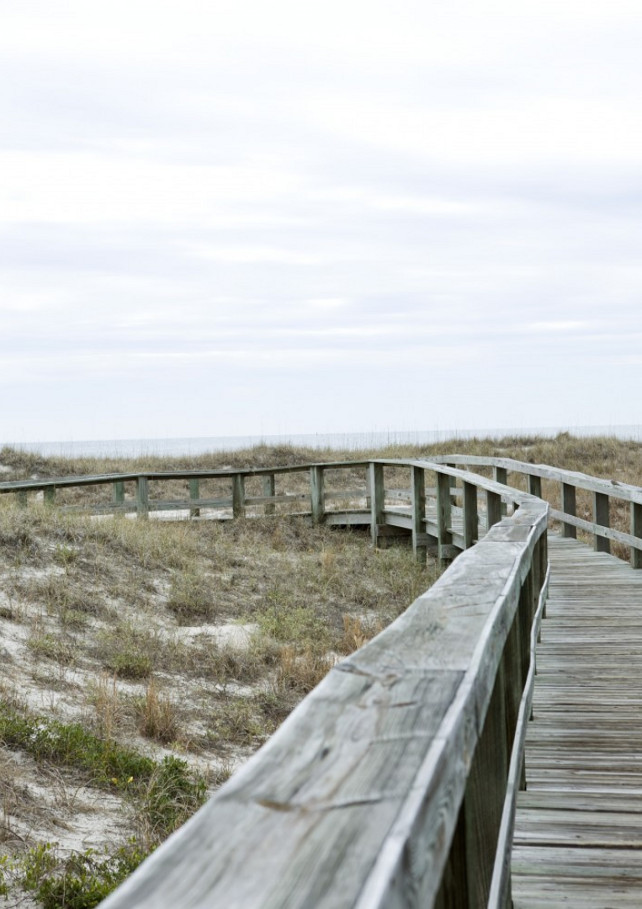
{"x": 224, "y": 218}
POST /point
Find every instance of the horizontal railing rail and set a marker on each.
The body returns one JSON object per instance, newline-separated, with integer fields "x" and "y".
{"x": 603, "y": 492}
{"x": 448, "y": 525}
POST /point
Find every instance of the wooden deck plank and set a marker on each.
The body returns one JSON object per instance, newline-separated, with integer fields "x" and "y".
{"x": 578, "y": 829}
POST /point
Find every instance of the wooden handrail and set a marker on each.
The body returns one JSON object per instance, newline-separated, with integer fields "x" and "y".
{"x": 570, "y": 481}
{"x": 394, "y": 781}
{"x": 625, "y": 491}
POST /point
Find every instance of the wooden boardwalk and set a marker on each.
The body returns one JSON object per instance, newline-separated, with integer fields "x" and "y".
{"x": 442, "y": 697}
{"x": 578, "y": 830}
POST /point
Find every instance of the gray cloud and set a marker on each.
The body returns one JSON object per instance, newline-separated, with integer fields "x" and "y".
{"x": 335, "y": 220}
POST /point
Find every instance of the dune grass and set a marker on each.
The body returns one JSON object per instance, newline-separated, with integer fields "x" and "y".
{"x": 145, "y": 660}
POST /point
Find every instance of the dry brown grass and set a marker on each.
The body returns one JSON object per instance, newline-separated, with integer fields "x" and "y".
{"x": 158, "y": 716}
{"x": 110, "y": 623}
{"x": 105, "y": 698}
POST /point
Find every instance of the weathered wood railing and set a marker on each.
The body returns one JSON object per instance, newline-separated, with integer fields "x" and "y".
{"x": 394, "y": 782}
{"x": 452, "y": 524}
{"x": 603, "y": 492}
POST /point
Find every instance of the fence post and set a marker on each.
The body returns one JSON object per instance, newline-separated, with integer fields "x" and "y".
{"x": 142, "y": 498}
{"x": 535, "y": 486}
{"x": 317, "y": 494}
{"x": 493, "y": 508}
{"x": 21, "y": 498}
{"x": 445, "y": 537}
{"x": 568, "y": 507}
{"x": 500, "y": 475}
{"x": 601, "y": 516}
{"x": 118, "y": 492}
{"x": 471, "y": 520}
{"x": 269, "y": 488}
{"x": 238, "y": 495}
{"x": 194, "y": 493}
{"x": 418, "y": 492}
{"x": 377, "y": 496}
{"x": 485, "y": 794}
{"x": 636, "y": 531}
{"x": 49, "y": 495}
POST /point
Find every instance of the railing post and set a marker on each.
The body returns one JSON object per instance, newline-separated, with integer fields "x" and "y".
{"x": 535, "y": 486}
{"x": 568, "y": 507}
{"x": 238, "y": 495}
{"x": 539, "y": 569}
{"x": 21, "y": 498}
{"x": 418, "y": 492}
{"x": 471, "y": 519}
{"x": 453, "y": 498}
{"x": 601, "y": 516}
{"x": 194, "y": 493}
{"x": 444, "y": 519}
{"x": 269, "y": 488}
{"x": 142, "y": 498}
{"x": 528, "y": 600}
{"x": 485, "y": 793}
{"x": 118, "y": 492}
{"x": 317, "y": 494}
{"x": 377, "y": 496}
{"x": 49, "y": 495}
{"x": 636, "y": 531}
{"x": 493, "y": 508}
{"x": 500, "y": 475}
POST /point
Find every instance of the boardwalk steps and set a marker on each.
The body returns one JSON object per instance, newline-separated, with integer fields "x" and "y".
{"x": 578, "y": 829}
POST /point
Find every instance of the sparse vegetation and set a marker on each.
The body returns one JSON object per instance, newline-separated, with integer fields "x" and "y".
{"x": 145, "y": 651}
{"x": 77, "y": 881}
{"x": 191, "y": 598}
{"x": 158, "y": 716}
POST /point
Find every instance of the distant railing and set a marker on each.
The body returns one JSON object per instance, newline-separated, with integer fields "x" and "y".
{"x": 602, "y": 493}
{"x": 394, "y": 782}
{"x": 453, "y": 523}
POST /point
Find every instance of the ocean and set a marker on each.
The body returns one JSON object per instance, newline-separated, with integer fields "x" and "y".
{"x": 352, "y": 441}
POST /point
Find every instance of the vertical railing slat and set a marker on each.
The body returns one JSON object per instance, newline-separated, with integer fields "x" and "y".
{"x": 118, "y": 492}
{"x": 601, "y": 516}
{"x": 418, "y": 492}
{"x": 238, "y": 495}
{"x": 535, "y": 485}
{"x": 568, "y": 507}
{"x": 194, "y": 494}
{"x": 317, "y": 493}
{"x": 500, "y": 475}
{"x": 471, "y": 518}
{"x": 377, "y": 495}
{"x": 444, "y": 517}
{"x": 493, "y": 508}
{"x": 636, "y": 531}
{"x": 142, "y": 497}
{"x": 269, "y": 487}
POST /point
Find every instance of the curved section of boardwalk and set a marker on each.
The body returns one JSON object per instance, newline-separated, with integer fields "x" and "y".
{"x": 578, "y": 832}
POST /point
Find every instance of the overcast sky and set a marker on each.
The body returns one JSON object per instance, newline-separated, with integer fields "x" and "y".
{"x": 223, "y": 218}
